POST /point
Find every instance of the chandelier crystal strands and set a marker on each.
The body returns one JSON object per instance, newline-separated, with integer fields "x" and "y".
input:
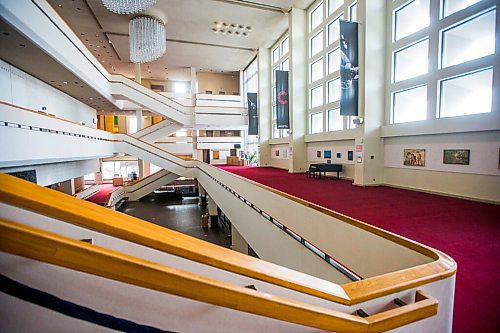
{"x": 127, "y": 6}
{"x": 148, "y": 39}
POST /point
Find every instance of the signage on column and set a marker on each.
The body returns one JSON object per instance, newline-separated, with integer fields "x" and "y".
{"x": 282, "y": 117}
{"x": 349, "y": 68}
{"x": 253, "y": 117}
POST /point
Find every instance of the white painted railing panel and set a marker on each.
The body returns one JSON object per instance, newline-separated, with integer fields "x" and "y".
{"x": 233, "y": 139}
{"x": 344, "y": 242}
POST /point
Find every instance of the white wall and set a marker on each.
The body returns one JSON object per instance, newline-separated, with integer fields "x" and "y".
{"x": 48, "y": 174}
{"x": 280, "y": 156}
{"x": 479, "y": 180}
{"x": 335, "y": 147}
{"x": 22, "y": 89}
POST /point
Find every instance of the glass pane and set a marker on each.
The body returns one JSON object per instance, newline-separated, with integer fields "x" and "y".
{"x": 274, "y": 74}
{"x": 316, "y": 97}
{"x": 470, "y": 40}
{"x": 411, "y": 61}
{"x": 334, "y": 90}
{"x": 410, "y": 105}
{"x": 317, "y": 122}
{"x": 284, "y": 46}
{"x": 335, "y": 121}
{"x": 353, "y": 13}
{"x": 284, "y": 64}
{"x": 411, "y": 18}
{"x": 108, "y": 170}
{"x": 334, "y": 30}
{"x": 276, "y": 55}
{"x": 316, "y": 70}
{"x": 453, "y": 6}
{"x": 467, "y": 94}
{"x": 316, "y": 43}
{"x": 333, "y": 5}
{"x": 316, "y": 16}
{"x": 334, "y": 61}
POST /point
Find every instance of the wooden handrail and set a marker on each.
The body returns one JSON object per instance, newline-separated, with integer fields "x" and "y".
{"x": 69, "y": 253}
{"x": 21, "y": 193}
{"x": 55, "y": 204}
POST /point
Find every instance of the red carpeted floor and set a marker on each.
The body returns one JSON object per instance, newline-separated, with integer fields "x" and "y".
{"x": 102, "y": 195}
{"x": 466, "y": 230}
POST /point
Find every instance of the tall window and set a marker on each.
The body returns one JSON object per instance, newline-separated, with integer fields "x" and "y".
{"x": 279, "y": 57}
{"x": 324, "y": 63}
{"x": 442, "y": 53}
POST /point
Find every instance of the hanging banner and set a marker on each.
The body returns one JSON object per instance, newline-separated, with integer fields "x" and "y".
{"x": 253, "y": 117}
{"x": 282, "y": 118}
{"x": 349, "y": 68}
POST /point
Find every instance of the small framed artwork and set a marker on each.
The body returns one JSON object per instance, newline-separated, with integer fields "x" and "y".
{"x": 277, "y": 153}
{"x": 414, "y": 157}
{"x": 328, "y": 161}
{"x": 327, "y": 154}
{"x": 350, "y": 155}
{"x": 339, "y": 155}
{"x": 157, "y": 87}
{"x": 318, "y": 153}
{"x": 456, "y": 156}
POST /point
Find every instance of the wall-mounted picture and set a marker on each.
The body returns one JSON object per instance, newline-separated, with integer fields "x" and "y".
{"x": 456, "y": 156}
{"x": 328, "y": 161}
{"x": 158, "y": 87}
{"x": 414, "y": 157}
{"x": 277, "y": 153}
{"x": 327, "y": 154}
{"x": 339, "y": 155}
{"x": 318, "y": 153}
{"x": 350, "y": 155}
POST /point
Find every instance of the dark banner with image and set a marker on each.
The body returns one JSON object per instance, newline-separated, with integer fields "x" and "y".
{"x": 282, "y": 118}
{"x": 349, "y": 68}
{"x": 253, "y": 117}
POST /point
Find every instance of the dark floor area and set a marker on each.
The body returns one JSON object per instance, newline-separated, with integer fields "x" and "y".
{"x": 176, "y": 213}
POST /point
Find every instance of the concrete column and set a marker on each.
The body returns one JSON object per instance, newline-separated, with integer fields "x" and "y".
{"x": 238, "y": 243}
{"x": 195, "y": 144}
{"x": 265, "y": 109}
{"x": 297, "y": 81}
{"x": 202, "y": 198}
{"x": 138, "y": 115}
{"x": 372, "y": 33}
{"x": 212, "y": 211}
{"x": 137, "y": 73}
{"x": 194, "y": 83}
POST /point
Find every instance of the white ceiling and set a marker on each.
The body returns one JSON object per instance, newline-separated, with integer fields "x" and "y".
{"x": 190, "y": 39}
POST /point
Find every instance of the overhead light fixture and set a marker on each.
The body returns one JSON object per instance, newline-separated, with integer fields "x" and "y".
{"x": 148, "y": 39}
{"x": 127, "y": 6}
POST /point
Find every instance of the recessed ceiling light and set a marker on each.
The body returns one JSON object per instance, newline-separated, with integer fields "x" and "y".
{"x": 229, "y": 32}
{"x": 60, "y": 6}
{"x": 245, "y": 34}
{"x": 249, "y": 28}
{"x": 65, "y": 82}
{"x": 233, "y": 25}
{"x": 22, "y": 45}
{"x": 225, "y": 24}
{"x": 5, "y": 33}
{"x": 237, "y": 33}
{"x": 215, "y": 30}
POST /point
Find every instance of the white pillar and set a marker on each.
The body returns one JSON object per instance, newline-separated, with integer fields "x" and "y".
{"x": 372, "y": 30}
{"x": 194, "y": 83}
{"x": 137, "y": 72}
{"x": 297, "y": 81}
{"x": 265, "y": 109}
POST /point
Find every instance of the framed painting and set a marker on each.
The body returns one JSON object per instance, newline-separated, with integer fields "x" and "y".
{"x": 318, "y": 153}
{"x": 327, "y": 154}
{"x": 414, "y": 157}
{"x": 456, "y": 156}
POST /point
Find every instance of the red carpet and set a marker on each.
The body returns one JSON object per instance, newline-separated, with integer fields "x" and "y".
{"x": 468, "y": 231}
{"x": 102, "y": 195}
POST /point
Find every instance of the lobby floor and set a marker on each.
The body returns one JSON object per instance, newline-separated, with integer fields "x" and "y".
{"x": 175, "y": 213}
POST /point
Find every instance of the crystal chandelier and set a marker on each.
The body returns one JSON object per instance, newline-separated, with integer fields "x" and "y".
{"x": 127, "y": 6}
{"x": 148, "y": 39}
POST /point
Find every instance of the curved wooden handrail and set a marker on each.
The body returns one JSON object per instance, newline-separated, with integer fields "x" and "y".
{"x": 69, "y": 253}
{"x": 29, "y": 196}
